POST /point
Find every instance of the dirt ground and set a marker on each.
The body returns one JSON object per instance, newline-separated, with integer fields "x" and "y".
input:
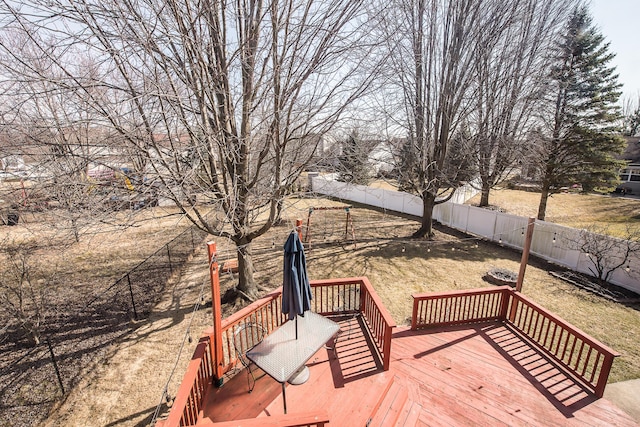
{"x": 126, "y": 388}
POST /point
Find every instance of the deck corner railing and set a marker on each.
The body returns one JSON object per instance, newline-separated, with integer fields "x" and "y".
{"x": 581, "y": 356}
{"x": 330, "y": 297}
{"x": 378, "y": 320}
{"x": 355, "y": 295}
{"x": 584, "y": 357}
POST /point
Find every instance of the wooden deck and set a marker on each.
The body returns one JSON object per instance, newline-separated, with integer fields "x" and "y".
{"x": 482, "y": 374}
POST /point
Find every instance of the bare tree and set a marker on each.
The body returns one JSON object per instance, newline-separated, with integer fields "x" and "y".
{"x": 431, "y": 45}
{"x": 220, "y": 100}
{"x": 509, "y": 68}
{"x": 607, "y": 254}
{"x": 58, "y": 136}
{"x": 24, "y": 290}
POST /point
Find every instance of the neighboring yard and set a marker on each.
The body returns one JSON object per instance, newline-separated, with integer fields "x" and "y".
{"x": 571, "y": 209}
{"x": 125, "y": 391}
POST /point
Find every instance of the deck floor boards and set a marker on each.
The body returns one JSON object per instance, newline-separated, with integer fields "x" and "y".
{"x": 482, "y": 374}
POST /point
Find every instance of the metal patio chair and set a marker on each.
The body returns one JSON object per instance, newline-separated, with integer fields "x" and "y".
{"x": 245, "y": 338}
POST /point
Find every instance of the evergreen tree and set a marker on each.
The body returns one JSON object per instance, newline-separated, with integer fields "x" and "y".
{"x": 354, "y": 160}
{"x": 582, "y": 141}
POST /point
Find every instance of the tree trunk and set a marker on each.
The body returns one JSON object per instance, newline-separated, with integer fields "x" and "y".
{"x": 484, "y": 195}
{"x": 426, "y": 229}
{"x": 246, "y": 283}
{"x": 542, "y": 207}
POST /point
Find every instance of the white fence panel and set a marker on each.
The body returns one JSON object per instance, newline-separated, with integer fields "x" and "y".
{"x": 375, "y": 197}
{"x": 482, "y": 222}
{"x": 551, "y": 242}
{"x": 395, "y": 201}
{"x": 413, "y": 205}
{"x": 510, "y": 230}
{"x": 442, "y": 213}
{"x": 459, "y": 216}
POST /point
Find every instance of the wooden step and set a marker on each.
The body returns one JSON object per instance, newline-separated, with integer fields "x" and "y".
{"x": 409, "y": 414}
{"x": 391, "y": 406}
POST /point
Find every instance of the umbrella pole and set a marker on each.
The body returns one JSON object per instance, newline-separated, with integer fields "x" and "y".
{"x": 296, "y": 326}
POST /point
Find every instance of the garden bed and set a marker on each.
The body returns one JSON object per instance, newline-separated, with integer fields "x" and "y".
{"x": 607, "y": 290}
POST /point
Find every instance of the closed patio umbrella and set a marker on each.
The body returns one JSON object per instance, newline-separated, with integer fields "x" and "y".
{"x": 296, "y": 291}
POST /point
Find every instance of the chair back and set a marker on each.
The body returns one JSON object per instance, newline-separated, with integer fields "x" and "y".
{"x": 246, "y": 337}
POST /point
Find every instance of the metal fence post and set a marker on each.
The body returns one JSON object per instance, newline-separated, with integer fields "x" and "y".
{"x": 169, "y": 257}
{"x": 55, "y": 365}
{"x": 133, "y": 301}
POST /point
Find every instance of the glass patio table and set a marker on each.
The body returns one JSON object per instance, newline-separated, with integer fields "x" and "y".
{"x": 283, "y": 357}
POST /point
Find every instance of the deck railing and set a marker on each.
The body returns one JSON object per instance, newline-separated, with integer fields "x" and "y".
{"x": 330, "y": 297}
{"x": 458, "y": 307}
{"x": 355, "y": 295}
{"x": 582, "y": 356}
{"x": 265, "y": 312}
{"x": 196, "y": 380}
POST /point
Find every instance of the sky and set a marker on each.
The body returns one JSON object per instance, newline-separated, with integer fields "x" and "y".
{"x": 618, "y": 22}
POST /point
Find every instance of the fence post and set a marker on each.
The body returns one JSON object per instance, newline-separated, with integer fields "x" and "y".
{"x": 133, "y": 301}
{"x": 55, "y": 365}
{"x": 193, "y": 243}
{"x": 216, "y": 345}
{"x": 169, "y": 257}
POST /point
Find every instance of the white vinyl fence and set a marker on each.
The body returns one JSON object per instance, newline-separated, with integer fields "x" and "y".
{"x": 551, "y": 242}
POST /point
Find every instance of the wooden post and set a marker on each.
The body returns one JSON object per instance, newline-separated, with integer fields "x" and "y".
{"x": 133, "y": 301}
{"x": 169, "y": 258}
{"x": 217, "y": 313}
{"x": 299, "y": 228}
{"x": 349, "y": 222}
{"x": 525, "y": 253}
{"x": 307, "y": 239}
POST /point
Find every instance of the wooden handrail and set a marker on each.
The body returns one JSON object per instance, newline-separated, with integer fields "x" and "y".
{"x": 341, "y": 298}
{"x": 378, "y": 320}
{"x": 586, "y": 358}
{"x": 264, "y": 312}
{"x": 194, "y": 383}
{"x": 305, "y": 419}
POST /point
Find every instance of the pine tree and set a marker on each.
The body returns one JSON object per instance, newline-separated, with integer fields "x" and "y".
{"x": 582, "y": 141}
{"x": 354, "y": 161}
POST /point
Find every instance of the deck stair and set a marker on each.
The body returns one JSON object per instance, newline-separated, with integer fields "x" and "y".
{"x": 394, "y": 406}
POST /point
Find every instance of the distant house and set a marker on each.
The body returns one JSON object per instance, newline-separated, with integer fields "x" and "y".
{"x": 630, "y": 175}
